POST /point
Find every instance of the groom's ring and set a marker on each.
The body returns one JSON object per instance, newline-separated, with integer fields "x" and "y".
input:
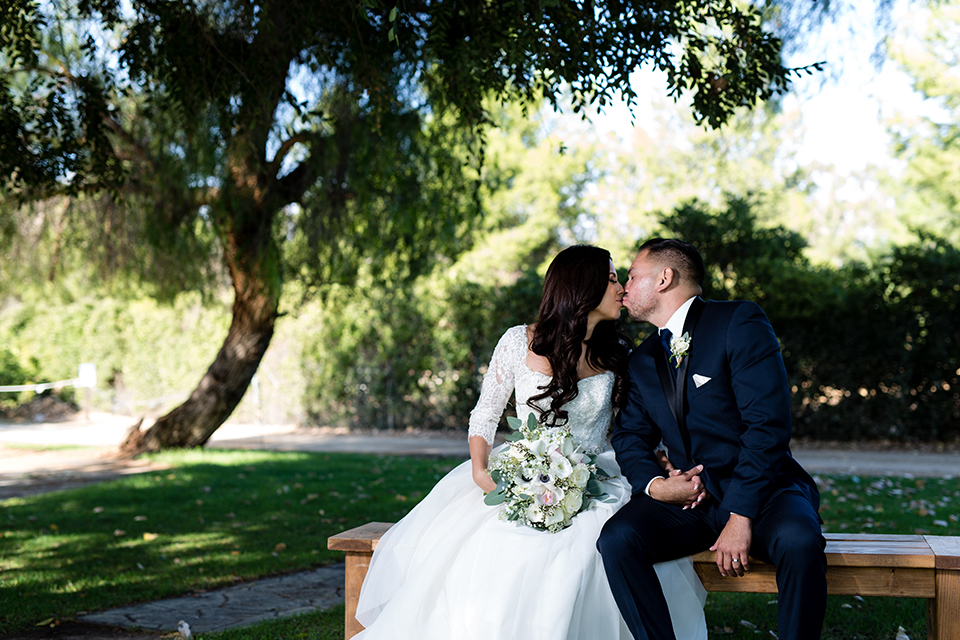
{"x": 736, "y": 560}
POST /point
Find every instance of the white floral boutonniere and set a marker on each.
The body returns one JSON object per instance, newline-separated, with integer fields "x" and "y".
{"x": 679, "y": 348}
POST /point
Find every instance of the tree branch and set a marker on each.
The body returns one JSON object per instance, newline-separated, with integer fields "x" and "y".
{"x": 274, "y": 166}
{"x": 292, "y": 186}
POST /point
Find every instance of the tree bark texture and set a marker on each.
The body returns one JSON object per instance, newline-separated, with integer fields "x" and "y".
{"x": 256, "y": 283}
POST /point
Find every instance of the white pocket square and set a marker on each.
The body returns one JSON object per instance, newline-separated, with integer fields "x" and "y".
{"x": 700, "y": 380}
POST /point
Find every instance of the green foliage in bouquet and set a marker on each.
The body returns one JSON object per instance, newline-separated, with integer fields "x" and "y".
{"x": 543, "y": 480}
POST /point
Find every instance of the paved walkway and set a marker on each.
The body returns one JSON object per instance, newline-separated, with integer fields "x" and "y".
{"x": 237, "y": 606}
{"x": 52, "y": 456}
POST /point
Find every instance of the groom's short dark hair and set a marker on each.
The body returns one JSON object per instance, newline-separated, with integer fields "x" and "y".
{"x": 679, "y": 255}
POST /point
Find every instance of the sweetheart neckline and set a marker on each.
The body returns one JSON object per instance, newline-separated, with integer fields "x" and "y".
{"x": 545, "y": 375}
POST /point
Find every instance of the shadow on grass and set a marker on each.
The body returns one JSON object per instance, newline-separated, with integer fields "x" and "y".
{"x": 215, "y": 518}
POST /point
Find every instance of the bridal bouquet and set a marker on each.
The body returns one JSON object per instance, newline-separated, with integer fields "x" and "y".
{"x": 543, "y": 481}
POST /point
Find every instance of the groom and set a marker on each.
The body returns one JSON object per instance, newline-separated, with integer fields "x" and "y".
{"x": 721, "y": 406}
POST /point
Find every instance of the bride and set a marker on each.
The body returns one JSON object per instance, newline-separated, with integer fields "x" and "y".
{"x": 452, "y": 569}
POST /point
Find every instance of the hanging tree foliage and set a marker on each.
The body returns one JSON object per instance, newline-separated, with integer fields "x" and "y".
{"x": 303, "y": 138}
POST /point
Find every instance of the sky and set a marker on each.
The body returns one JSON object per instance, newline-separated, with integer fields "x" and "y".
{"x": 844, "y": 110}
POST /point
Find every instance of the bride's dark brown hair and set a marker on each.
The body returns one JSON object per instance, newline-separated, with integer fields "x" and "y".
{"x": 575, "y": 283}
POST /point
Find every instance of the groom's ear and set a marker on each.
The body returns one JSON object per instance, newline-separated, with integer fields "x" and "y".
{"x": 666, "y": 279}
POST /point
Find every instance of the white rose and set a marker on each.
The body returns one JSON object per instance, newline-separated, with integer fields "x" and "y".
{"x": 580, "y": 475}
{"x": 572, "y": 502}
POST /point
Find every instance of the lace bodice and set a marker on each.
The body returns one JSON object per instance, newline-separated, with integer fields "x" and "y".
{"x": 590, "y": 414}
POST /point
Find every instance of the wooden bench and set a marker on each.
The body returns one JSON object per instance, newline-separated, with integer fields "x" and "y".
{"x": 907, "y": 566}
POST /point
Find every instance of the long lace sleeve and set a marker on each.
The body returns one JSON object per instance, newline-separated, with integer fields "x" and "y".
{"x": 498, "y": 383}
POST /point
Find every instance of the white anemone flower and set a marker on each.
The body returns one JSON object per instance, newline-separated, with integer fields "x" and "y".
{"x": 526, "y": 477}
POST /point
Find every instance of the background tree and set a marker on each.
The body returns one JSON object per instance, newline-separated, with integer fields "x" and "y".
{"x": 227, "y": 129}
{"x": 927, "y": 48}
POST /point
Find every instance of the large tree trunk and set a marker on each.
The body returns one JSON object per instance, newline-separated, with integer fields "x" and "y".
{"x": 255, "y": 272}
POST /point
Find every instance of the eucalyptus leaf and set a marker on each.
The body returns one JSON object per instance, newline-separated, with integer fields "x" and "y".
{"x": 514, "y": 422}
{"x": 594, "y": 487}
{"x": 514, "y": 437}
{"x": 494, "y": 498}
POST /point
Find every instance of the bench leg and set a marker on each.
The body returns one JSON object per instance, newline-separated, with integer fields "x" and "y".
{"x": 944, "y": 610}
{"x": 357, "y": 564}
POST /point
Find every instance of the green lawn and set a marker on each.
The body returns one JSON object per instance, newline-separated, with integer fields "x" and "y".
{"x": 214, "y": 518}
{"x": 217, "y": 517}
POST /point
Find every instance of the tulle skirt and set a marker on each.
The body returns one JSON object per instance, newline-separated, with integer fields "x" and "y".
{"x": 452, "y": 570}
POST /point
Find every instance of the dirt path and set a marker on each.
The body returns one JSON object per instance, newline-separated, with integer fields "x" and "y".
{"x": 30, "y": 471}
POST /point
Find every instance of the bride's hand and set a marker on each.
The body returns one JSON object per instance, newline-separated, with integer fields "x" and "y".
{"x": 483, "y": 480}
{"x": 700, "y": 499}
{"x": 681, "y": 489}
{"x": 665, "y": 463}
{"x": 480, "y": 458}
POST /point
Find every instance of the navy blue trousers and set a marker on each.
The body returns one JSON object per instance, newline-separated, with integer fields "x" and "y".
{"x": 786, "y": 533}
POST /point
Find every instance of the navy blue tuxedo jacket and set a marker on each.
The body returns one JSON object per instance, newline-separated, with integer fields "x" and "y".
{"x": 735, "y": 422}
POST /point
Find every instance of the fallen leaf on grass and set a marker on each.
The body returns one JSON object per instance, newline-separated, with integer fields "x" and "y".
{"x": 119, "y": 532}
{"x": 150, "y": 536}
{"x": 280, "y": 546}
{"x": 44, "y": 623}
{"x": 140, "y": 518}
{"x": 748, "y": 625}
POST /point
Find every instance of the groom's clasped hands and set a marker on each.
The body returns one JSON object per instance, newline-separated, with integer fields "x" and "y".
{"x": 686, "y": 489}
{"x": 682, "y": 488}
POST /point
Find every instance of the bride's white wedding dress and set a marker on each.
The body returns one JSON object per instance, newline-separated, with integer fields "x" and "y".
{"x": 452, "y": 570}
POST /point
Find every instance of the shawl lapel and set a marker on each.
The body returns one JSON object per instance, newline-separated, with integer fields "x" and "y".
{"x": 674, "y": 383}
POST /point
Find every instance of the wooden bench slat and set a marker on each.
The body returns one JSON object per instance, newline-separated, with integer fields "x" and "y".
{"x": 858, "y": 554}
{"x": 873, "y": 537}
{"x": 947, "y": 550}
{"x": 363, "y": 538}
{"x": 910, "y": 566}
{"x": 841, "y": 581}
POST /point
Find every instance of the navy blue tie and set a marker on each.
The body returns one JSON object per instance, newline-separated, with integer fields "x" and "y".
{"x": 665, "y": 336}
